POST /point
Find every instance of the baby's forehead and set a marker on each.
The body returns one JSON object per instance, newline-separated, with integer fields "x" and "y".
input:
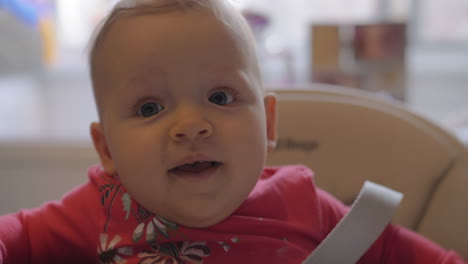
{"x": 228, "y": 16}
{"x": 225, "y": 15}
{"x": 146, "y": 35}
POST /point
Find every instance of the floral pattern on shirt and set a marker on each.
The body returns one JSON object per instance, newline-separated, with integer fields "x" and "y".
{"x": 109, "y": 253}
{"x": 109, "y": 193}
{"x": 180, "y": 252}
{"x": 155, "y": 227}
{"x": 156, "y": 230}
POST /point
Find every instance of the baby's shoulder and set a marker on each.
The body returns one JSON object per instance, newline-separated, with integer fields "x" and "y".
{"x": 289, "y": 172}
{"x": 296, "y": 178}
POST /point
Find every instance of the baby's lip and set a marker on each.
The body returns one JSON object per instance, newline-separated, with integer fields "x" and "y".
{"x": 192, "y": 158}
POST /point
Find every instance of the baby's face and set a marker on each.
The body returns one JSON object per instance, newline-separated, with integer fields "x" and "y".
{"x": 183, "y": 121}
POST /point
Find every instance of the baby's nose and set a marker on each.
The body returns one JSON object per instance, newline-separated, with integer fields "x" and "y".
{"x": 191, "y": 129}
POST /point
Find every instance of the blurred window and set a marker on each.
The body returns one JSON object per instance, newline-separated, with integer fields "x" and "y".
{"x": 76, "y": 20}
{"x": 443, "y": 21}
{"x": 435, "y": 20}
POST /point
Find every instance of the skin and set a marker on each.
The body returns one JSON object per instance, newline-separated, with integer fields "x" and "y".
{"x": 177, "y": 63}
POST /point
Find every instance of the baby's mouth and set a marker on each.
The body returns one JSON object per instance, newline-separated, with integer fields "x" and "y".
{"x": 195, "y": 167}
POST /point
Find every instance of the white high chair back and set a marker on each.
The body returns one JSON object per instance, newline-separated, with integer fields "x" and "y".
{"x": 347, "y": 136}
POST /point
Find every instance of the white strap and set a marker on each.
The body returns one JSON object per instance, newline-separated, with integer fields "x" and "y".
{"x": 360, "y": 227}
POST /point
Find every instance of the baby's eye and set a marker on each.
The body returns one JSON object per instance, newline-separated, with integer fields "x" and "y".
{"x": 221, "y": 98}
{"x": 150, "y": 109}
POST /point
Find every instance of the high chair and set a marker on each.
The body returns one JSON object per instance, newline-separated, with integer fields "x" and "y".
{"x": 347, "y": 136}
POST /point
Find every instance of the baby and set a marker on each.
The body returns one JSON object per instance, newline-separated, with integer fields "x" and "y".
{"x": 185, "y": 127}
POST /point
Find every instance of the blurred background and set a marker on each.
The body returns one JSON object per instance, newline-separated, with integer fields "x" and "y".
{"x": 413, "y": 51}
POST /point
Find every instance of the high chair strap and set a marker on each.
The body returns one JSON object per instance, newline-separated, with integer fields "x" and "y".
{"x": 360, "y": 227}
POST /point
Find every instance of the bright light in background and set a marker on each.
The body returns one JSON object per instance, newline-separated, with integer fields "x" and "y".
{"x": 340, "y": 10}
{"x": 76, "y": 20}
{"x": 240, "y": 4}
{"x": 74, "y": 27}
{"x": 445, "y": 20}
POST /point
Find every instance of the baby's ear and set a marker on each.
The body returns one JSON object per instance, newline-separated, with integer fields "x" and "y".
{"x": 270, "y": 111}
{"x": 100, "y": 145}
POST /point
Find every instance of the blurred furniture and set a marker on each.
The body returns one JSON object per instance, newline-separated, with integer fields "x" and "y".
{"x": 458, "y": 123}
{"x": 348, "y": 136}
{"x": 34, "y": 172}
{"x": 371, "y": 57}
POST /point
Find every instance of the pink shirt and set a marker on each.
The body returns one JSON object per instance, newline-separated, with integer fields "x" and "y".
{"x": 282, "y": 221}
